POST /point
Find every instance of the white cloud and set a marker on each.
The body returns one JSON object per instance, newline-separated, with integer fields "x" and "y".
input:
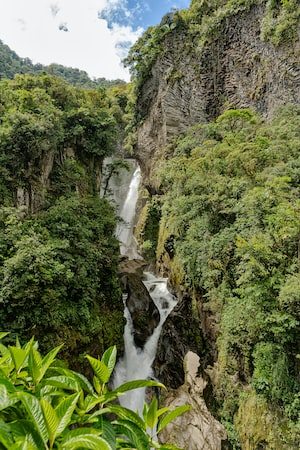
{"x": 68, "y": 32}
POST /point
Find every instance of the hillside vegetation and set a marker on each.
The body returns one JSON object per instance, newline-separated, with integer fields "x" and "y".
{"x": 59, "y": 256}
{"x": 229, "y": 234}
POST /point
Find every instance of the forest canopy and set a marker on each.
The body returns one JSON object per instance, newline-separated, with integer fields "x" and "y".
{"x": 59, "y": 256}
{"x": 230, "y": 231}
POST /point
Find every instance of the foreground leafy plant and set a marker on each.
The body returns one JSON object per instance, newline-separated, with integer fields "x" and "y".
{"x": 46, "y": 406}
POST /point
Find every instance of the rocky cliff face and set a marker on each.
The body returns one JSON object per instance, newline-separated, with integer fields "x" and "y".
{"x": 196, "y": 429}
{"x": 189, "y": 84}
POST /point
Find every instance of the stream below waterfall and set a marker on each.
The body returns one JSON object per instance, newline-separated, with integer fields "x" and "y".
{"x": 136, "y": 362}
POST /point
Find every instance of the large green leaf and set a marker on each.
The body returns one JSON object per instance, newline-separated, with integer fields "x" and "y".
{"x": 127, "y": 414}
{"x": 62, "y": 382}
{"x": 48, "y": 360}
{"x": 138, "y": 438}
{"x": 51, "y": 419}
{"x": 90, "y": 402}
{"x": 64, "y": 412}
{"x": 84, "y": 438}
{"x": 135, "y": 384}
{"x": 99, "y": 368}
{"x": 35, "y": 365}
{"x": 6, "y": 363}
{"x": 8, "y": 384}
{"x": 172, "y": 415}
{"x": 76, "y": 376}
{"x": 6, "y": 398}
{"x": 109, "y": 358}
{"x": 84, "y": 382}
{"x": 3, "y": 334}
{"x": 151, "y": 416}
{"x": 35, "y": 413}
{"x": 24, "y": 444}
{"x": 19, "y": 356}
{"x": 108, "y": 433}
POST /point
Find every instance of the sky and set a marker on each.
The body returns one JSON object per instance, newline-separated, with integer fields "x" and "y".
{"x": 91, "y": 35}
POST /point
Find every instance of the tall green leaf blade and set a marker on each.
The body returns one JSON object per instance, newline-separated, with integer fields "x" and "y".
{"x": 172, "y": 415}
{"x": 35, "y": 413}
{"x": 3, "y": 334}
{"x": 135, "y": 384}
{"x": 50, "y": 418}
{"x": 62, "y": 382}
{"x": 18, "y": 355}
{"x": 127, "y": 414}
{"x": 138, "y": 438}
{"x": 84, "y": 438}
{"x": 152, "y": 413}
{"x": 64, "y": 412}
{"x": 35, "y": 365}
{"x": 108, "y": 433}
{"x": 109, "y": 358}
{"x": 48, "y": 359}
{"x": 99, "y": 368}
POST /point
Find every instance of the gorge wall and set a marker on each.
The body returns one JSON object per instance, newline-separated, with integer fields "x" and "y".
{"x": 191, "y": 83}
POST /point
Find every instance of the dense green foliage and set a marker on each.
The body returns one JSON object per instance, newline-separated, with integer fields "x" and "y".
{"x": 12, "y": 64}
{"x": 45, "y": 123}
{"x": 58, "y": 275}
{"x": 59, "y": 256}
{"x": 46, "y": 406}
{"x": 231, "y": 213}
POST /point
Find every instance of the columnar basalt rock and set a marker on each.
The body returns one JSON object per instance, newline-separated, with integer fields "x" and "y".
{"x": 191, "y": 84}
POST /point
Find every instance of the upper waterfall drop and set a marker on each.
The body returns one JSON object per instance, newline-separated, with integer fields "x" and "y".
{"x": 124, "y": 231}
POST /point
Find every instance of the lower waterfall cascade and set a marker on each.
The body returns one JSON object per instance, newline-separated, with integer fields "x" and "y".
{"x": 136, "y": 362}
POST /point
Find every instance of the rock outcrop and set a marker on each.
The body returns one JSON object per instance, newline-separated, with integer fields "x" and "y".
{"x": 191, "y": 84}
{"x": 176, "y": 339}
{"x": 196, "y": 429}
{"x": 144, "y": 313}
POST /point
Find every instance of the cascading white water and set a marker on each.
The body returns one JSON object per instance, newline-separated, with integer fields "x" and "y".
{"x": 124, "y": 231}
{"x": 136, "y": 363}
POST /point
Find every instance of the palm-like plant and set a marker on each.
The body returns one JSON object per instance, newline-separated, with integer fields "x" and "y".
{"x": 46, "y": 406}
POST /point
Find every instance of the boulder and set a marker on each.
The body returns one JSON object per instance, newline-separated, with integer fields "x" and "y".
{"x": 144, "y": 313}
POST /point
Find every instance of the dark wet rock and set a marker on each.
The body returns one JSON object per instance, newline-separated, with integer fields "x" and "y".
{"x": 144, "y": 313}
{"x": 181, "y": 333}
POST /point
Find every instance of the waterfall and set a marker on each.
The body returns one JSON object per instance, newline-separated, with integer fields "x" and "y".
{"x": 124, "y": 231}
{"x": 137, "y": 362}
